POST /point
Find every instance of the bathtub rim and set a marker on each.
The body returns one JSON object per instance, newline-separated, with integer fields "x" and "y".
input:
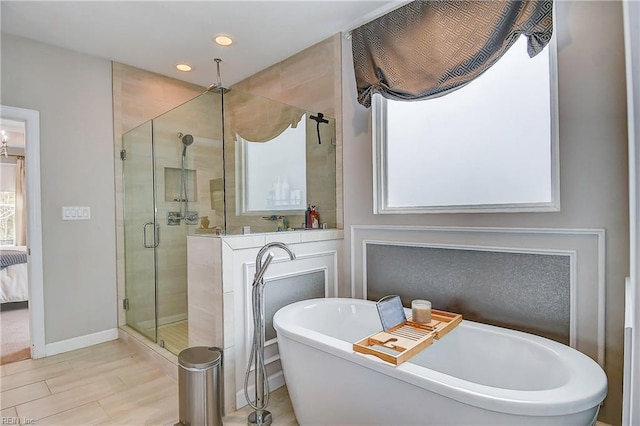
{"x": 572, "y": 397}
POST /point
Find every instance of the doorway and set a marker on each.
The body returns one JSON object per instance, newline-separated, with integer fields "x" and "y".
{"x": 23, "y": 292}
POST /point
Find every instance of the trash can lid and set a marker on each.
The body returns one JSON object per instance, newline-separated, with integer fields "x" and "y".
{"x": 199, "y": 357}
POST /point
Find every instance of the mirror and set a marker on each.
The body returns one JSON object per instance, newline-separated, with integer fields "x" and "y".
{"x": 274, "y": 173}
{"x": 278, "y": 160}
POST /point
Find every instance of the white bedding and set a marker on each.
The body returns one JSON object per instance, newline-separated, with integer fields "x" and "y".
{"x": 13, "y": 282}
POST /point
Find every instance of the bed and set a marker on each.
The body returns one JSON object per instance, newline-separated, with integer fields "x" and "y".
{"x": 13, "y": 275}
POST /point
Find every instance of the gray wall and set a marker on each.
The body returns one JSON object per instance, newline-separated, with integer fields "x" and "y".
{"x": 72, "y": 92}
{"x": 593, "y": 161}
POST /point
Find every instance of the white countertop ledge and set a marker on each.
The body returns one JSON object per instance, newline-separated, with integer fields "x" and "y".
{"x": 239, "y": 242}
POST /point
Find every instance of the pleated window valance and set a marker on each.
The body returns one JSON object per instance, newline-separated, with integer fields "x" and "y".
{"x": 428, "y": 48}
{"x": 258, "y": 119}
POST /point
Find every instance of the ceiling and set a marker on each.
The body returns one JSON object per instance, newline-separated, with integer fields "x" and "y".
{"x": 157, "y": 35}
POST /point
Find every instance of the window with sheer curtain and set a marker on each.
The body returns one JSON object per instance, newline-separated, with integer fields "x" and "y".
{"x": 7, "y": 204}
{"x": 490, "y": 146}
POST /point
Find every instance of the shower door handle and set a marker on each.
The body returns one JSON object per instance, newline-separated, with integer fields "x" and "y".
{"x": 156, "y": 235}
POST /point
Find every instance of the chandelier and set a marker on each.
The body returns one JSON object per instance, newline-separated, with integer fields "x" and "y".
{"x": 3, "y": 147}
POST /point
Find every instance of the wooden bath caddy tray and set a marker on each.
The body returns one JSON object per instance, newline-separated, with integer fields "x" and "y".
{"x": 403, "y": 341}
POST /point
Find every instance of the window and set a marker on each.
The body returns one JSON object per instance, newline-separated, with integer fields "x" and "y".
{"x": 7, "y": 204}
{"x": 7, "y": 218}
{"x": 490, "y": 146}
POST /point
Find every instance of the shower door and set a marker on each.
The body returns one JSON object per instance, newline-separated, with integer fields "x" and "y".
{"x": 140, "y": 230}
{"x": 158, "y": 216}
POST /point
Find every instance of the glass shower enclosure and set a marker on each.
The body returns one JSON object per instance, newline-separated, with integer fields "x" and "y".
{"x": 172, "y": 179}
{"x": 215, "y": 164}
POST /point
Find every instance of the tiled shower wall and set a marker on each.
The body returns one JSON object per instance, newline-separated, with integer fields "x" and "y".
{"x": 311, "y": 80}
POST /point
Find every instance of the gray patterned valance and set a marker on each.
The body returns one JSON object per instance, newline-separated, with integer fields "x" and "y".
{"x": 428, "y": 48}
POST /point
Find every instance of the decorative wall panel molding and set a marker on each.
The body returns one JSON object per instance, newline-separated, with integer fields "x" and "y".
{"x": 582, "y": 250}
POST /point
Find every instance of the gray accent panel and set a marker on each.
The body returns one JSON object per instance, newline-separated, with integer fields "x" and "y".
{"x": 521, "y": 291}
{"x": 284, "y": 291}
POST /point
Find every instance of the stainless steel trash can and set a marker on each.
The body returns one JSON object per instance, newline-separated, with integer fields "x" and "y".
{"x": 200, "y": 386}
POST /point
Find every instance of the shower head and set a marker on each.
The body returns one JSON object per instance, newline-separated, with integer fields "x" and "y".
{"x": 185, "y": 139}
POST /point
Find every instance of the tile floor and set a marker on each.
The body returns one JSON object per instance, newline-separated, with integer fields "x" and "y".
{"x": 175, "y": 336}
{"x": 106, "y": 384}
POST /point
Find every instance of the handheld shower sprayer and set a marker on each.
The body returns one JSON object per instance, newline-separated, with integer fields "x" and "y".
{"x": 186, "y": 141}
{"x": 256, "y": 359}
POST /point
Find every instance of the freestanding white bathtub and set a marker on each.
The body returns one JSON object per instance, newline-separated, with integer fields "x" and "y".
{"x": 475, "y": 375}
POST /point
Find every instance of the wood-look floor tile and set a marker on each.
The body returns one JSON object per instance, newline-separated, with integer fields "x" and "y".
{"x": 34, "y": 375}
{"x": 135, "y": 397}
{"x": 63, "y": 401}
{"x": 29, "y": 364}
{"x": 108, "y": 386}
{"x": 8, "y": 413}
{"x": 85, "y": 376}
{"x": 95, "y": 359}
{"x": 13, "y": 397}
{"x": 88, "y": 414}
{"x": 160, "y": 412}
{"x": 139, "y": 374}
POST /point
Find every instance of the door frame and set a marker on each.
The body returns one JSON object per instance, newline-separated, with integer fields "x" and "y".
{"x": 31, "y": 118}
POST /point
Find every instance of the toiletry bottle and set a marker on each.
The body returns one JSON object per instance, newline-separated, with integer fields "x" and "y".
{"x": 315, "y": 218}
{"x": 277, "y": 190}
{"x": 286, "y": 191}
{"x": 307, "y": 217}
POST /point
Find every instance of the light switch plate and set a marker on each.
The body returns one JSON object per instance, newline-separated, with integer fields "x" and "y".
{"x": 76, "y": 213}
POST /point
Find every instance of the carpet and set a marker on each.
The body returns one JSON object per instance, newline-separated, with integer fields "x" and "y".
{"x": 14, "y": 336}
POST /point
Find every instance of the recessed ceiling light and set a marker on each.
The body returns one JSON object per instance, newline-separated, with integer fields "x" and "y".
{"x": 223, "y": 40}
{"x": 183, "y": 67}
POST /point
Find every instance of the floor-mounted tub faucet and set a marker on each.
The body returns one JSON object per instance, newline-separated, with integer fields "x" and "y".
{"x": 256, "y": 360}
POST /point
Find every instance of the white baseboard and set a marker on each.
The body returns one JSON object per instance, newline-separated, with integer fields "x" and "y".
{"x": 80, "y": 342}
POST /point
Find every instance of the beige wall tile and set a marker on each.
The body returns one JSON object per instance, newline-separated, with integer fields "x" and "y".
{"x": 311, "y": 80}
